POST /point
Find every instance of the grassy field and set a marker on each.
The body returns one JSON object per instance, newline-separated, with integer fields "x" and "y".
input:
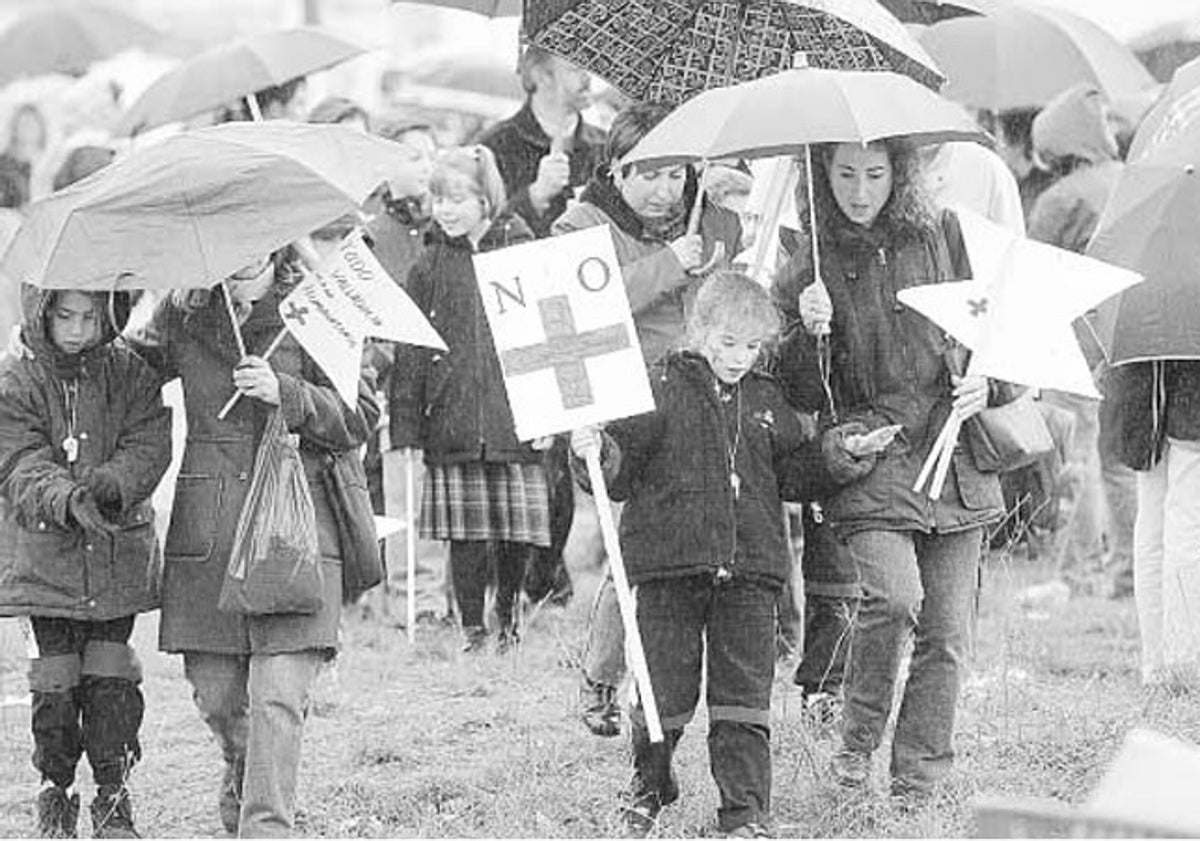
{"x": 422, "y": 741}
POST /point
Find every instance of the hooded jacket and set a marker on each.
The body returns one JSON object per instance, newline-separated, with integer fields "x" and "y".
{"x": 673, "y": 469}
{"x": 453, "y": 404}
{"x": 107, "y": 401}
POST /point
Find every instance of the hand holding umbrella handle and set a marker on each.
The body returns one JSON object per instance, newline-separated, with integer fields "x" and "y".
{"x": 266, "y": 354}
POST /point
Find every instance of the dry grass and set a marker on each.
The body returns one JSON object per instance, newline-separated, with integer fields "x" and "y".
{"x": 426, "y": 742}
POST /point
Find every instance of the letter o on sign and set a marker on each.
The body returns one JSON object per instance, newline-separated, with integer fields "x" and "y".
{"x": 593, "y": 274}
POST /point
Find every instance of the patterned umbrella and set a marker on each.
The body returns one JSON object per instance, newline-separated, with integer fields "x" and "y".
{"x": 670, "y": 50}
{"x": 490, "y": 8}
{"x": 928, "y": 12}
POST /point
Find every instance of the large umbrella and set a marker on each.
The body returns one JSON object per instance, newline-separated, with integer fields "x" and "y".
{"x": 1176, "y": 108}
{"x": 491, "y": 8}
{"x": 191, "y": 210}
{"x": 58, "y": 38}
{"x": 229, "y": 72}
{"x": 1149, "y": 225}
{"x": 670, "y": 50}
{"x": 1022, "y": 56}
{"x": 927, "y": 12}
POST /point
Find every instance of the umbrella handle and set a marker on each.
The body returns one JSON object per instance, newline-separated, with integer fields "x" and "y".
{"x": 233, "y": 319}
{"x": 271, "y": 348}
{"x": 254, "y": 109}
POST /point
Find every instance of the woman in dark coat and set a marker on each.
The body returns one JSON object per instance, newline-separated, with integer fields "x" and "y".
{"x": 250, "y": 675}
{"x": 916, "y": 557}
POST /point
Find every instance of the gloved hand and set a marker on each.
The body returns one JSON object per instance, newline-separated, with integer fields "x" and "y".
{"x": 843, "y": 465}
{"x": 106, "y": 490}
{"x": 83, "y": 510}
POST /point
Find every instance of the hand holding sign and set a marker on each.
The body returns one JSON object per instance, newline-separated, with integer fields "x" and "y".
{"x": 566, "y": 342}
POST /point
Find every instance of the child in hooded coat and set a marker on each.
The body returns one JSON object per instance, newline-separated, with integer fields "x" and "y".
{"x": 84, "y": 440}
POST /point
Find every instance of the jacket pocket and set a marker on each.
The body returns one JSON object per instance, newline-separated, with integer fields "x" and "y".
{"x": 979, "y": 491}
{"x": 194, "y": 517}
{"x": 50, "y": 561}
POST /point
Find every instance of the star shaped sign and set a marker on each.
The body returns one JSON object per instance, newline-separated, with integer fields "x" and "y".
{"x": 1016, "y": 313}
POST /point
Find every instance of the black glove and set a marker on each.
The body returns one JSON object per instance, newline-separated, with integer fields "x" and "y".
{"x": 83, "y": 510}
{"x": 106, "y": 490}
{"x": 843, "y": 466}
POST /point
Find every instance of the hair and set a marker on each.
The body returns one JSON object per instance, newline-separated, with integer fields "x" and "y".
{"x": 288, "y": 273}
{"x": 266, "y": 97}
{"x": 1016, "y": 128}
{"x": 731, "y": 299}
{"x": 629, "y": 127}
{"x": 532, "y": 58}
{"x": 477, "y": 164}
{"x": 338, "y": 109}
{"x": 904, "y": 217}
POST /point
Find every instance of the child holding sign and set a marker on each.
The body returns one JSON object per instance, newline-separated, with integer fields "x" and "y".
{"x": 703, "y": 539}
{"x": 484, "y": 490}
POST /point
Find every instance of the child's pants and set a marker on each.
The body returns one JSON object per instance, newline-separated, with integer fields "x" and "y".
{"x": 85, "y": 698}
{"x": 736, "y": 619}
{"x": 255, "y": 706}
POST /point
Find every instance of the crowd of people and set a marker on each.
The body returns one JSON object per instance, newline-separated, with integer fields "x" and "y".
{"x": 790, "y": 423}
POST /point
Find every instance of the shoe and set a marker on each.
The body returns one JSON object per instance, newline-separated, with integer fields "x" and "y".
{"x": 753, "y": 829}
{"x": 908, "y": 798}
{"x": 823, "y": 710}
{"x": 640, "y": 815}
{"x": 57, "y": 813}
{"x": 599, "y": 708}
{"x": 112, "y": 813}
{"x": 507, "y": 640}
{"x": 474, "y": 639}
{"x": 850, "y": 768}
{"x": 230, "y": 800}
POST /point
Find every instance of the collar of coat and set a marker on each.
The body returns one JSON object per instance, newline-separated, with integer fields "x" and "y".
{"x": 506, "y": 229}
{"x": 602, "y": 192}
{"x": 530, "y": 130}
{"x": 695, "y": 367}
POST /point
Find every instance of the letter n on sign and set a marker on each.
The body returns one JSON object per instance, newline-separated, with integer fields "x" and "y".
{"x": 566, "y": 344}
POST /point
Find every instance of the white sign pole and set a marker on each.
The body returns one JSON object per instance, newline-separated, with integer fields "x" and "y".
{"x": 410, "y": 544}
{"x": 616, "y": 562}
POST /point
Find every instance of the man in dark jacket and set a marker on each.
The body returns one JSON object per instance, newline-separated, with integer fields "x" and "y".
{"x": 544, "y": 152}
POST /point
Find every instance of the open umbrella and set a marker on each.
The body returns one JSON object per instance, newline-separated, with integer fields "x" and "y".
{"x": 1175, "y": 110}
{"x": 1022, "y": 55}
{"x": 670, "y": 50}
{"x": 58, "y": 38}
{"x": 491, "y": 8}
{"x": 1149, "y": 225}
{"x": 191, "y": 210}
{"x": 229, "y": 72}
{"x": 927, "y": 12}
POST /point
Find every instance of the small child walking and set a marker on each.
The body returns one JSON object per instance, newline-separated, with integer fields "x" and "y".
{"x": 84, "y": 440}
{"x": 702, "y": 533}
{"x": 484, "y": 491}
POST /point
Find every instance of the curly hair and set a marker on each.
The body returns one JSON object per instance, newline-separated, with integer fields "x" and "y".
{"x": 906, "y": 215}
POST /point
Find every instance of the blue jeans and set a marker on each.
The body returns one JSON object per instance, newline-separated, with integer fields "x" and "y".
{"x": 912, "y": 584}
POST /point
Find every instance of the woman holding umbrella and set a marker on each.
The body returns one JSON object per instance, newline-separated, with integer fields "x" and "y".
{"x": 890, "y": 370}
{"x": 250, "y": 675}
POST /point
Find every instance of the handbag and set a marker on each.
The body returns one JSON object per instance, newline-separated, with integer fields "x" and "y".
{"x": 345, "y": 482}
{"x": 1003, "y": 438}
{"x": 275, "y": 565}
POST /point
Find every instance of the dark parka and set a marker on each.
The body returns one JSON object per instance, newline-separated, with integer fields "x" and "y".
{"x": 49, "y": 566}
{"x": 672, "y": 469}
{"x": 199, "y": 348}
{"x": 520, "y": 143}
{"x": 452, "y": 404}
{"x": 888, "y": 366}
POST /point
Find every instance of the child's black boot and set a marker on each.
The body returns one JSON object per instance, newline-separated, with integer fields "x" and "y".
{"x": 58, "y": 812}
{"x": 654, "y": 784}
{"x": 112, "y": 813}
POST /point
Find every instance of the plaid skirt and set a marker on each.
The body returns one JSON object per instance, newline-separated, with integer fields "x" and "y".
{"x": 478, "y": 500}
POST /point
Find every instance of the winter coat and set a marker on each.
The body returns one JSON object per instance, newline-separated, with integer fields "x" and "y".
{"x": 49, "y": 566}
{"x": 199, "y": 347}
{"x": 660, "y": 291}
{"x": 453, "y": 404}
{"x": 888, "y": 366}
{"x": 1145, "y": 403}
{"x": 672, "y": 467}
{"x": 520, "y": 143}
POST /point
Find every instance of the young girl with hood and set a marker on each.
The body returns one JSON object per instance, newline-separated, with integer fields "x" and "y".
{"x": 484, "y": 491}
{"x": 84, "y": 440}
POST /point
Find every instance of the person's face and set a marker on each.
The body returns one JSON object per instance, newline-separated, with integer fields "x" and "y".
{"x": 570, "y": 85}
{"x": 413, "y": 165}
{"x": 731, "y": 352}
{"x": 652, "y": 193}
{"x": 74, "y": 322}
{"x": 861, "y": 180}
{"x": 459, "y": 209}
{"x": 250, "y": 283}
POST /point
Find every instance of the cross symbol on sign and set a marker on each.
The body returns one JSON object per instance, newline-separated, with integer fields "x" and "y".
{"x": 565, "y": 350}
{"x": 295, "y": 313}
{"x": 978, "y": 306}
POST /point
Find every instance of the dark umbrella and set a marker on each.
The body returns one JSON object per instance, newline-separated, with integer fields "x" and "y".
{"x": 69, "y": 39}
{"x": 928, "y": 12}
{"x": 670, "y": 50}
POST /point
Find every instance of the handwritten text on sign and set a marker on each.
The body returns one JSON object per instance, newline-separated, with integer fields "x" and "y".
{"x": 564, "y": 334}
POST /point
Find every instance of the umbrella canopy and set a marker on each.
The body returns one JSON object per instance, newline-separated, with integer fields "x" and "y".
{"x": 926, "y": 12}
{"x": 229, "y": 72}
{"x": 69, "y": 38}
{"x": 1022, "y": 56}
{"x": 1149, "y": 225}
{"x": 1176, "y": 109}
{"x": 491, "y": 8}
{"x": 670, "y": 50}
{"x": 191, "y": 210}
{"x": 780, "y": 114}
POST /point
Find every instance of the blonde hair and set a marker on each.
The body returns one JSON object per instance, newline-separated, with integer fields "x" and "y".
{"x": 477, "y": 165}
{"x": 731, "y": 299}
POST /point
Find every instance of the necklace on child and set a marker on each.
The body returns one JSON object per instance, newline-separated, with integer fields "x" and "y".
{"x": 70, "y": 444}
{"x": 732, "y": 394}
